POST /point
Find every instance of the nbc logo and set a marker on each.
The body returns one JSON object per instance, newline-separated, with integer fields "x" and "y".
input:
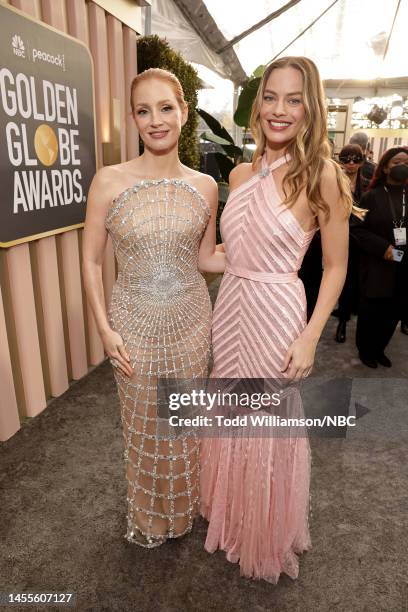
{"x": 18, "y": 46}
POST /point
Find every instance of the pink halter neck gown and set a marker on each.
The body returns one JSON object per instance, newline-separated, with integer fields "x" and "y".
{"x": 255, "y": 491}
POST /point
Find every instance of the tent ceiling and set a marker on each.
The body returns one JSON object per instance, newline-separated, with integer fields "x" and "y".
{"x": 351, "y": 88}
{"x": 203, "y": 23}
{"x": 183, "y": 27}
{"x": 348, "y": 38}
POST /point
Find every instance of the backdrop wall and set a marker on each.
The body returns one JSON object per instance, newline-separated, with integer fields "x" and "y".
{"x": 47, "y": 333}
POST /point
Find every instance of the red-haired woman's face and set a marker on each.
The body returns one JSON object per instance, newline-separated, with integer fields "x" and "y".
{"x": 282, "y": 110}
{"x": 158, "y": 115}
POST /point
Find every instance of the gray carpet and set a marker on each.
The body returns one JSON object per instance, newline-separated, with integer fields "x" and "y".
{"x": 63, "y": 511}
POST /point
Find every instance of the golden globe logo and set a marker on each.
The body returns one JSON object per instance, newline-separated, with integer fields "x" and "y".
{"x": 46, "y": 144}
{"x": 24, "y": 100}
{"x": 47, "y": 129}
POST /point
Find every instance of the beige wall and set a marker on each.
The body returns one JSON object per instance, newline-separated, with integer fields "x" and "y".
{"x": 127, "y": 11}
{"x": 382, "y": 139}
{"x": 47, "y": 333}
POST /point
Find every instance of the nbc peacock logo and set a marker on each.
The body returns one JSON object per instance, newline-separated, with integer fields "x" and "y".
{"x": 18, "y": 46}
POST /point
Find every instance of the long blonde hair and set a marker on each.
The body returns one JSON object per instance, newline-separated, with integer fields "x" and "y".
{"x": 310, "y": 150}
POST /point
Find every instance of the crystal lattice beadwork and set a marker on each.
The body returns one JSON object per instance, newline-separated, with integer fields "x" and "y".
{"x": 161, "y": 308}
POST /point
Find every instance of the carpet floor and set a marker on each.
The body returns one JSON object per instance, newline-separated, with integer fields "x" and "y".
{"x": 63, "y": 510}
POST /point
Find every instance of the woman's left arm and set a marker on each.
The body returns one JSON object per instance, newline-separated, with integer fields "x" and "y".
{"x": 211, "y": 259}
{"x": 335, "y": 236}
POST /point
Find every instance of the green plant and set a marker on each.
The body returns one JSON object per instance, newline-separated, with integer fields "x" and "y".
{"x": 155, "y": 52}
{"x": 246, "y": 98}
{"x": 232, "y": 155}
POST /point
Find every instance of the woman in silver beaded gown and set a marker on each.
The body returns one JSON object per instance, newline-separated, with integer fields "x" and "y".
{"x": 158, "y": 322}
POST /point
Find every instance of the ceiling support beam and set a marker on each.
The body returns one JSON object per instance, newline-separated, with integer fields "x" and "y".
{"x": 258, "y": 25}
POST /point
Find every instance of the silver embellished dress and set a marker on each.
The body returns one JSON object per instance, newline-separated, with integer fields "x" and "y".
{"x": 161, "y": 308}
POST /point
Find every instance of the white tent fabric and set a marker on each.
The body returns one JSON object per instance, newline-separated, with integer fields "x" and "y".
{"x": 168, "y": 22}
{"x": 345, "y": 88}
{"x": 347, "y": 42}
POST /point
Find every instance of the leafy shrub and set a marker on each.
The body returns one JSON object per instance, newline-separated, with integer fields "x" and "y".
{"x": 155, "y": 52}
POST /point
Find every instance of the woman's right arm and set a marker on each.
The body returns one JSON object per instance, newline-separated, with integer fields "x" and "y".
{"x": 94, "y": 243}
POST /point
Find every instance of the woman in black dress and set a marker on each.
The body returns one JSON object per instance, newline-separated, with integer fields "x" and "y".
{"x": 381, "y": 239}
{"x": 351, "y": 159}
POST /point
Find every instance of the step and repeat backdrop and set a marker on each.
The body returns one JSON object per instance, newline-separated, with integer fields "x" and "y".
{"x": 65, "y": 74}
{"x": 47, "y": 136}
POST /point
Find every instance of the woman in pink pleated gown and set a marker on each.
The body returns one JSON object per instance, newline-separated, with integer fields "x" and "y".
{"x": 255, "y": 490}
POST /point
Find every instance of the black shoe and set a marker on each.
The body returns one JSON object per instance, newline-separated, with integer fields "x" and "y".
{"x": 384, "y": 361}
{"x": 370, "y": 363}
{"x": 341, "y": 332}
{"x": 404, "y": 327}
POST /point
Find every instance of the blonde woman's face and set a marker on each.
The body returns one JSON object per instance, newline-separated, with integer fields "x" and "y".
{"x": 282, "y": 110}
{"x": 157, "y": 114}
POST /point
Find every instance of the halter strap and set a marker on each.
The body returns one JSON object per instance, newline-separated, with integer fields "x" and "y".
{"x": 278, "y": 162}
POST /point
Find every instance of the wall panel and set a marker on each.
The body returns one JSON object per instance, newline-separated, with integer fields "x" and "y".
{"x": 78, "y": 26}
{"x": 25, "y": 323}
{"x": 17, "y": 268}
{"x": 98, "y": 40}
{"x": 46, "y": 283}
{"x": 130, "y": 55}
{"x": 9, "y": 418}
{"x": 48, "y": 334}
{"x": 117, "y": 75}
{"x": 54, "y": 13}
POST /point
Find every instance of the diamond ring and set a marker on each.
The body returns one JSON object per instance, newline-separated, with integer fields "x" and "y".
{"x": 114, "y": 362}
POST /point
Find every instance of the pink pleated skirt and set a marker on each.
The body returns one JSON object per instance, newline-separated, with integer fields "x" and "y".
{"x": 255, "y": 496}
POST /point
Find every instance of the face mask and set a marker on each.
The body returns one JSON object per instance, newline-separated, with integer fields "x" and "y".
{"x": 399, "y": 173}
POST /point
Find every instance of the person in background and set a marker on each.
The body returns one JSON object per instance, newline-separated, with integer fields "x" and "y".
{"x": 311, "y": 270}
{"x": 381, "y": 238}
{"x": 351, "y": 159}
{"x": 404, "y": 322}
{"x": 368, "y": 167}
{"x": 370, "y": 156}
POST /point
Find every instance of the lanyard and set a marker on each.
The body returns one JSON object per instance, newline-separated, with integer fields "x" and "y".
{"x": 394, "y": 215}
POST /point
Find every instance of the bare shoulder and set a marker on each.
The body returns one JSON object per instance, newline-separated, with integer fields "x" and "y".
{"x": 329, "y": 185}
{"x": 204, "y": 183}
{"x": 108, "y": 175}
{"x": 240, "y": 174}
{"x": 105, "y": 175}
{"x": 102, "y": 179}
{"x": 109, "y": 181}
{"x": 328, "y": 177}
{"x": 333, "y": 189}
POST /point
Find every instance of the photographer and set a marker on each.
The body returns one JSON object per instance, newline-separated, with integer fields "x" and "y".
{"x": 368, "y": 167}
